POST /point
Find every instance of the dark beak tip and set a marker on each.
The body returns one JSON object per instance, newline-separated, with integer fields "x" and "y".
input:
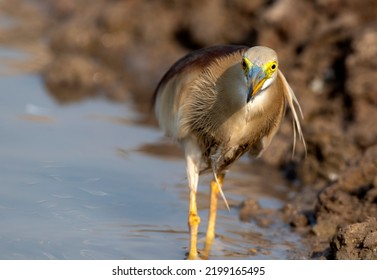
{"x": 250, "y": 98}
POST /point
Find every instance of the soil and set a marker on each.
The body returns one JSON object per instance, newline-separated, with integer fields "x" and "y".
{"x": 327, "y": 50}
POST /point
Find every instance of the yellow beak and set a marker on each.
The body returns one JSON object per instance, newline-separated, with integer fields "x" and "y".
{"x": 255, "y": 80}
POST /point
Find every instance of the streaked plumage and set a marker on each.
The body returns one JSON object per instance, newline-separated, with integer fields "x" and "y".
{"x": 219, "y": 103}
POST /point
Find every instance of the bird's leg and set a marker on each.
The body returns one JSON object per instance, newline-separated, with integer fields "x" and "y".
{"x": 216, "y": 185}
{"x": 193, "y": 222}
{"x": 193, "y": 156}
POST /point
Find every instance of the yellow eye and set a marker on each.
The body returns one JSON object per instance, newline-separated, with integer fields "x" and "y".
{"x": 246, "y": 65}
{"x": 270, "y": 67}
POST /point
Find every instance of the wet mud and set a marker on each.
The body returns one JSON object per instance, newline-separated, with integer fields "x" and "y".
{"x": 327, "y": 49}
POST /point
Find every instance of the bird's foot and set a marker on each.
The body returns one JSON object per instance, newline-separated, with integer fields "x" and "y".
{"x": 193, "y": 256}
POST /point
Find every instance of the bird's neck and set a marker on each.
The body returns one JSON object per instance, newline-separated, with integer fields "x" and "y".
{"x": 232, "y": 90}
{"x": 231, "y": 104}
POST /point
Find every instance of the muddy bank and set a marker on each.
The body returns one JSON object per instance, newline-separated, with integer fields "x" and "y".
{"x": 339, "y": 222}
{"x": 327, "y": 50}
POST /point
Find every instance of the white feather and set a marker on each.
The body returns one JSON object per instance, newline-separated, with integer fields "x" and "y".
{"x": 292, "y": 101}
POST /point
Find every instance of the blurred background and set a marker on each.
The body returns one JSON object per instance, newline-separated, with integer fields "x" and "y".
{"x": 85, "y": 173}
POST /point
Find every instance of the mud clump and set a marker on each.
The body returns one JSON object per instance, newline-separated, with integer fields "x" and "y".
{"x": 344, "y": 210}
{"x": 356, "y": 241}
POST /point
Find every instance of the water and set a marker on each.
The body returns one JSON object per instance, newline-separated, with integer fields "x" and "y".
{"x": 85, "y": 181}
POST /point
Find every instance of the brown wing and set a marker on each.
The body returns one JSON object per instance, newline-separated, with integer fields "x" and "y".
{"x": 196, "y": 59}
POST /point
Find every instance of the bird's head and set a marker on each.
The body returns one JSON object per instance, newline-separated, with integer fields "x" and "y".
{"x": 260, "y": 65}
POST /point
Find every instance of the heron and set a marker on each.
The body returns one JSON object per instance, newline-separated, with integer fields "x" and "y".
{"x": 218, "y": 103}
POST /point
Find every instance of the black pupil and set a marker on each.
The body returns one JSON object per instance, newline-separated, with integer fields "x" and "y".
{"x": 243, "y": 64}
{"x": 273, "y": 66}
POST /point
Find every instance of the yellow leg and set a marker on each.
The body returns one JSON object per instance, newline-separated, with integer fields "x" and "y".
{"x": 214, "y": 193}
{"x": 193, "y": 222}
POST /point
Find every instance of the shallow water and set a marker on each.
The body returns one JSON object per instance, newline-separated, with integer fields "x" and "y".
{"x": 85, "y": 181}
